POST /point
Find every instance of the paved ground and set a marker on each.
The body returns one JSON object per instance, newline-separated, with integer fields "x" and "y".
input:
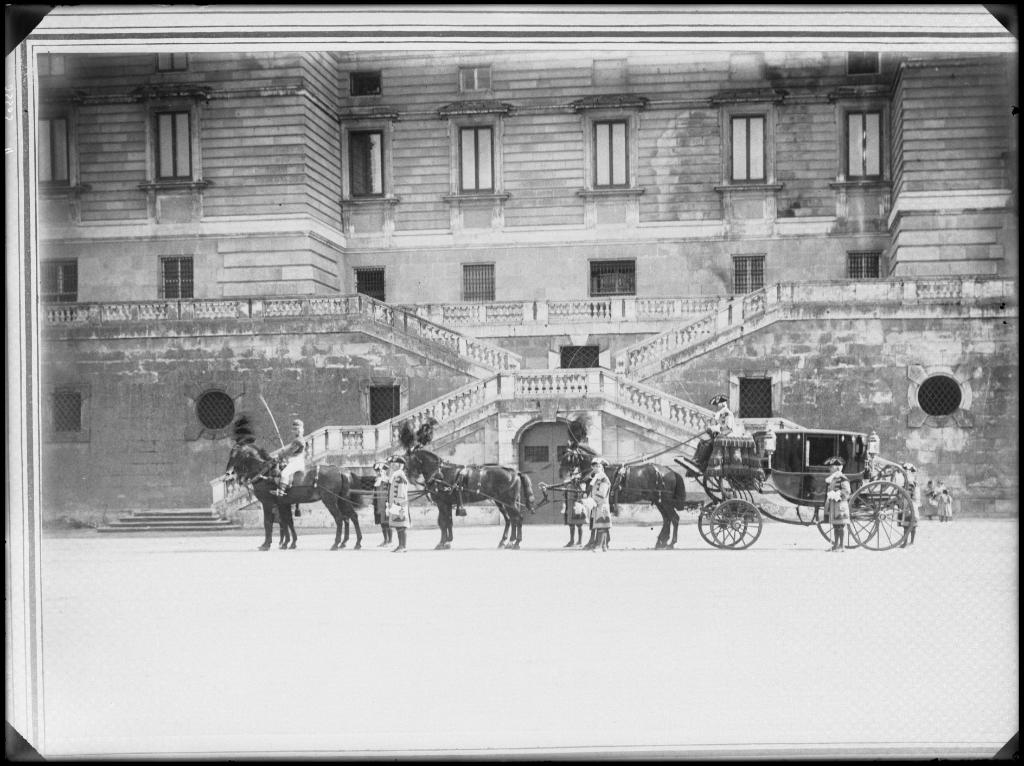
{"x": 175, "y": 644}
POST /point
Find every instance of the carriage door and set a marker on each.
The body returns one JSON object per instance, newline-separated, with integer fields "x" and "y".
{"x": 539, "y": 450}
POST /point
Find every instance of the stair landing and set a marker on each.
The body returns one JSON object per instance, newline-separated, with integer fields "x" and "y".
{"x": 199, "y": 520}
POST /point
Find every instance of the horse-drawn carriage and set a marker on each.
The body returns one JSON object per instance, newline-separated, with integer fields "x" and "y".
{"x": 736, "y": 471}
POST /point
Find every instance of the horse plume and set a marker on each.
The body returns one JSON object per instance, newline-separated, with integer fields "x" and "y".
{"x": 243, "y": 431}
{"x": 425, "y": 432}
{"x": 577, "y": 431}
{"x": 407, "y": 436}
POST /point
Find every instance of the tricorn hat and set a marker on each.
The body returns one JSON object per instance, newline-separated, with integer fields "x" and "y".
{"x": 379, "y": 465}
{"x": 598, "y": 460}
{"x": 910, "y": 467}
{"x": 835, "y": 461}
{"x": 720, "y": 399}
{"x": 397, "y": 459}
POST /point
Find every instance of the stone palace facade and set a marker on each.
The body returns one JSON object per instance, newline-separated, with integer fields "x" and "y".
{"x": 506, "y": 240}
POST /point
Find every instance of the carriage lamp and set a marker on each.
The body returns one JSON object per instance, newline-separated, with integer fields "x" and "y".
{"x": 768, "y": 442}
{"x": 874, "y": 444}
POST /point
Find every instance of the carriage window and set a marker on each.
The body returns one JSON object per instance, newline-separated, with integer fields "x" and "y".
{"x": 820, "y": 449}
{"x": 215, "y": 410}
{"x": 385, "y": 403}
{"x": 755, "y": 398}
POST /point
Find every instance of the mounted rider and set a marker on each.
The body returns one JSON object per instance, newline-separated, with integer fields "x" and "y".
{"x": 290, "y": 458}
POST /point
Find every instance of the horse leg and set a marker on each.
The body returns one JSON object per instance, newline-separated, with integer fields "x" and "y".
{"x": 359, "y": 532}
{"x": 675, "y": 528}
{"x": 504, "y": 534}
{"x": 663, "y": 536}
{"x": 441, "y": 525}
{"x": 338, "y": 521}
{"x": 290, "y": 538}
{"x": 268, "y": 526}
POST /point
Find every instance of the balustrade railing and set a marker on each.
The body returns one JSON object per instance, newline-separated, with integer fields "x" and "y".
{"x": 481, "y": 352}
{"x": 753, "y": 310}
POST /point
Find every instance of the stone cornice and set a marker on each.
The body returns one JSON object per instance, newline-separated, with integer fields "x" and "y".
{"x": 749, "y": 95}
{"x": 457, "y": 108}
{"x": 609, "y": 101}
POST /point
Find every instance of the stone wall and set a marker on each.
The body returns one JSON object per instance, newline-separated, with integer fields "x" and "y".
{"x": 859, "y": 375}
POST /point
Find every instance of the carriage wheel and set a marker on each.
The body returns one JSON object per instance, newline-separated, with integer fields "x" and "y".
{"x": 734, "y": 524}
{"x": 824, "y": 526}
{"x": 876, "y": 510}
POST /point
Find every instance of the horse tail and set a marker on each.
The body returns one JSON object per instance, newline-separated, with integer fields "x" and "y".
{"x": 526, "y": 491}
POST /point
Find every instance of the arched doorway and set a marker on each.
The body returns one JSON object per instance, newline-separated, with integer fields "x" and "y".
{"x": 540, "y": 449}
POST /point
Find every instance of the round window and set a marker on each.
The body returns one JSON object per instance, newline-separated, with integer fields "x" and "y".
{"x": 939, "y": 395}
{"x": 215, "y": 409}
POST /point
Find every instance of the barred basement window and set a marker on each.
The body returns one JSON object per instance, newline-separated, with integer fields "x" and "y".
{"x": 364, "y": 83}
{"x": 612, "y": 278}
{"x": 176, "y": 278}
{"x": 478, "y": 282}
{"x": 580, "y": 356}
{"x": 384, "y": 403}
{"x": 215, "y": 410}
{"x": 939, "y": 395}
{"x": 66, "y": 411}
{"x": 370, "y": 282}
{"x": 755, "y": 398}
{"x": 863, "y": 265}
{"x": 60, "y": 281}
{"x": 748, "y": 273}
{"x": 535, "y": 454}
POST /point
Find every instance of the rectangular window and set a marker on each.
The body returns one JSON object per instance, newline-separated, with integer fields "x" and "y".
{"x": 51, "y": 64}
{"x": 385, "y": 403}
{"x": 364, "y": 83}
{"x": 366, "y": 163}
{"x": 54, "y": 159}
{"x": 864, "y": 144}
{"x": 174, "y": 145}
{"x": 748, "y": 148}
{"x": 863, "y": 265}
{"x": 861, "y": 62}
{"x": 176, "y": 278}
{"x": 819, "y": 449}
{"x": 478, "y": 282}
{"x": 66, "y": 411}
{"x": 476, "y": 161}
{"x": 755, "y": 398}
{"x": 535, "y": 453}
{"x": 171, "y": 62}
{"x": 579, "y": 356}
{"x": 748, "y": 273}
{"x": 611, "y": 160}
{"x": 612, "y": 278}
{"x": 60, "y": 281}
{"x": 370, "y": 282}
{"x": 474, "y": 78}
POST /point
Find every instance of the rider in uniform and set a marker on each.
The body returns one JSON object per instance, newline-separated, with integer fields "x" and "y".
{"x": 398, "y": 501}
{"x": 381, "y": 487}
{"x": 600, "y": 490}
{"x": 837, "y": 505}
{"x": 290, "y": 457}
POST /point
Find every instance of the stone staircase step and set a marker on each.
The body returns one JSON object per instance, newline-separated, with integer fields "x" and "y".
{"x": 169, "y": 520}
{"x": 165, "y": 528}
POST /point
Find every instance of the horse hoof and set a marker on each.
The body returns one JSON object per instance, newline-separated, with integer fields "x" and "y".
{"x": 263, "y": 548}
{"x": 357, "y": 547}
{"x": 291, "y": 547}
{"x": 334, "y": 547}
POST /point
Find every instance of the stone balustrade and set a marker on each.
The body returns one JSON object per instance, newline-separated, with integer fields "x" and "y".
{"x": 402, "y": 320}
{"x": 845, "y": 298}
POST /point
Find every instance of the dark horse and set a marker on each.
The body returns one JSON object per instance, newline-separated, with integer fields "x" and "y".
{"x": 326, "y": 483}
{"x": 449, "y": 485}
{"x": 658, "y": 485}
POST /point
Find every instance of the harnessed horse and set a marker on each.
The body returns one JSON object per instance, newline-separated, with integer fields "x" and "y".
{"x": 448, "y": 485}
{"x": 326, "y": 483}
{"x": 658, "y": 485}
